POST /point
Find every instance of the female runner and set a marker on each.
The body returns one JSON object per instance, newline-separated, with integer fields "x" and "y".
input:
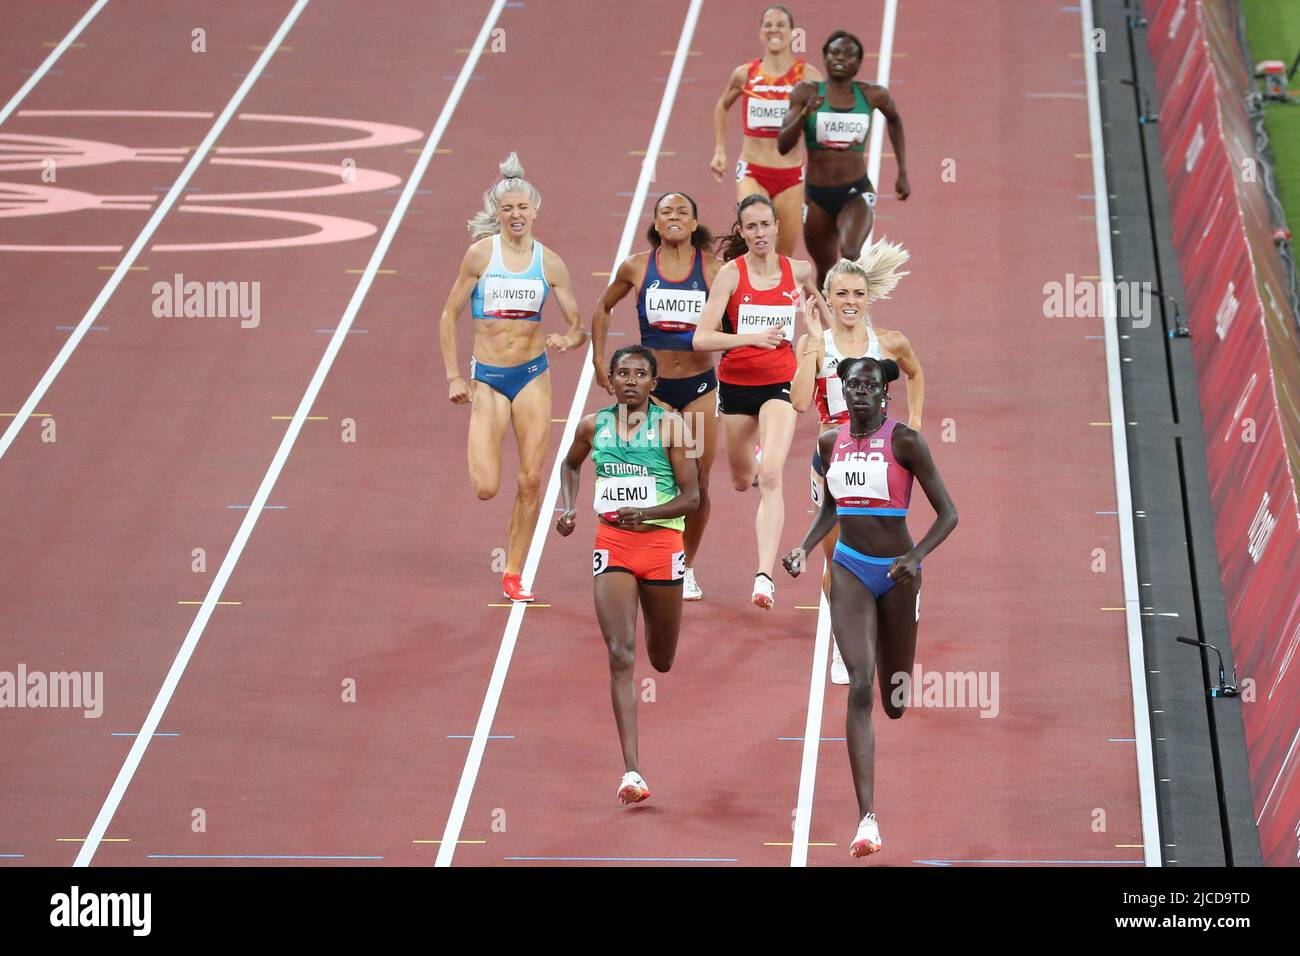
{"x": 876, "y": 574}
{"x": 833, "y": 118}
{"x": 645, "y": 483}
{"x": 850, "y": 288}
{"x": 751, "y": 313}
{"x": 506, "y": 276}
{"x": 668, "y": 309}
{"x": 765, "y": 85}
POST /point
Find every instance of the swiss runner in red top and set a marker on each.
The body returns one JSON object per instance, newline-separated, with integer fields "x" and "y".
{"x": 763, "y": 87}
{"x": 753, "y": 307}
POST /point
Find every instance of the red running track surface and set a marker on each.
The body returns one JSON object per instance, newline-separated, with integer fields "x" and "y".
{"x": 374, "y": 562}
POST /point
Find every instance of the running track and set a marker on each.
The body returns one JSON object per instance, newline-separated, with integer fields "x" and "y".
{"x": 373, "y": 563}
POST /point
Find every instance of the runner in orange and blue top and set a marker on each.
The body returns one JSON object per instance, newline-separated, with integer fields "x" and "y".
{"x": 764, "y": 86}
{"x": 850, "y": 288}
{"x": 506, "y": 277}
{"x": 833, "y": 119}
{"x": 668, "y": 310}
{"x": 875, "y": 597}
{"x": 645, "y": 484}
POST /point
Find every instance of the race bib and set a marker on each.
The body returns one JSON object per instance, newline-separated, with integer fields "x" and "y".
{"x": 860, "y": 478}
{"x": 765, "y": 114}
{"x": 505, "y": 298}
{"x": 842, "y": 130}
{"x": 679, "y": 565}
{"x": 835, "y": 403}
{"x": 615, "y": 493}
{"x": 599, "y": 561}
{"x": 752, "y": 319}
{"x": 674, "y": 310}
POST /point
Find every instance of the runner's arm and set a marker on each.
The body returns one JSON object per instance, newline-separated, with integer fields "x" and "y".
{"x": 625, "y": 281}
{"x": 557, "y": 275}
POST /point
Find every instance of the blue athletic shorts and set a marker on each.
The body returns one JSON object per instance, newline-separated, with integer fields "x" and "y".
{"x": 871, "y": 571}
{"x": 508, "y": 381}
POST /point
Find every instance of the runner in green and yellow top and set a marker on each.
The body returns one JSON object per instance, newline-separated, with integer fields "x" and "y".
{"x": 646, "y": 482}
{"x": 833, "y": 117}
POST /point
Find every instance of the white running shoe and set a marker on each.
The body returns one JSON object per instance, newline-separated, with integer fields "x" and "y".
{"x": 868, "y": 839}
{"x": 632, "y": 789}
{"x": 764, "y": 592}
{"x": 839, "y": 673}
{"x": 690, "y": 590}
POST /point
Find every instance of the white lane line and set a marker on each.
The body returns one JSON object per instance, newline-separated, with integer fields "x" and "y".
{"x": 817, "y": 692}
{"x": 228, "y": 563}
{"x": 456, "y": 818}
{"x": 878, "y": 124}
{"x": 50, "y": 60}
{"x": 1119, "y": 453}
{"x": 146, "y": 234}
{"x": 811, "y": 737}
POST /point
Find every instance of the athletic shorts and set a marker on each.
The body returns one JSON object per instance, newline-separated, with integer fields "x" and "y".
{"x": 748, "y": 399}
{"x": 834, "y": 198}
{"x": 774, "y": 179}
{"x": 677, "y": 393}
{"x": 870, "y": 570}
{"x": 508, "y": 380}
{"x": 652, "y": 557}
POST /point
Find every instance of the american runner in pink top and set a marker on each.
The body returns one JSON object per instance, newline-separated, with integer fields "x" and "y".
{"x": 870, "y": 463}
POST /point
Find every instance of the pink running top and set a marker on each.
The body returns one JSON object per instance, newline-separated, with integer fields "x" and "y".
{"x": 864, "y": 476}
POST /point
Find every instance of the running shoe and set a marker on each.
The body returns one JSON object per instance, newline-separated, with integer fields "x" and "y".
{"x": 512, "y": 586}
{"x": 868, "y": 839}
{"x": 764, "y": 592}
{"x": 690, "y": 590}
{"x": 632, "y": 789}
{"x": 839, "y": 673}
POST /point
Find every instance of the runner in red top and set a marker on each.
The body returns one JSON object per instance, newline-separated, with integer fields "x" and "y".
{"x": 764, "y": 86}
{"x": 751, "y": 312}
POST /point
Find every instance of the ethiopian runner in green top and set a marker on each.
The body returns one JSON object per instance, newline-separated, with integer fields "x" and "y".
{"x": 833, "y": 117}
{"x": 647, "y": 481}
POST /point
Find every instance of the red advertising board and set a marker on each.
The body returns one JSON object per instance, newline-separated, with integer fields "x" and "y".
{"x": 1247, "y": 354}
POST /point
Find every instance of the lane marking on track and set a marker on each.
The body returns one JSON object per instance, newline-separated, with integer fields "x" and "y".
{"x": 218, "y": 603}
{"x": 309, "y": 397}
{"x": 150, "y": 227}
{"x": 625, "y": 859}
{"x": 132, "y": 733}
{"x": 492, "y": 697}
{"x": 788, "y": 843}
{"x": 1119, "y": 456}
{"x": 438, "y": 842}
{"x": 527, "y": 604}
{"x": 252, "y": 856}
{"x": 129, "y": 268}
{"x": 70, "y": 40}
{"x": 821, "y": 647}
{"x": 83, "y": 840}
{"x": 32, "y": 415}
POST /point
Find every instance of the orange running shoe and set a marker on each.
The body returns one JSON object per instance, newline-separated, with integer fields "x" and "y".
{"x": 632, "y": 789}
{"x": 868, "y": 839}
{"x": 512, "y": 586}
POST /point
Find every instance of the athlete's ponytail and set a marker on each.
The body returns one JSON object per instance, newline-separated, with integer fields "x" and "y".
{"x": 512, "y": 180}
{"x": 733, "y": 245}
{"x": 701, "y": 238}
{"x": 889, "y": 370}
{"x": 878, "y": 268}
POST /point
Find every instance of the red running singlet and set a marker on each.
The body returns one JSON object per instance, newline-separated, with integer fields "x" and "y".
{"x": 750, "y": 311}
{"x": 767, "y": 98}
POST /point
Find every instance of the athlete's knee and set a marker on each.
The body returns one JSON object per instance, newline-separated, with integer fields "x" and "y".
{"x": 622, "y": 656}
{"x": 484, "y": 487}
{"x": 530, "y": 484}
{"x": 862, "y": 693}
{"x": 769, "y": 478}
{"x": 662, "y": 661}
{"x": 893, "y": 710}
{"x": 851, "y": 251}
{"x": 742, "y": 482}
